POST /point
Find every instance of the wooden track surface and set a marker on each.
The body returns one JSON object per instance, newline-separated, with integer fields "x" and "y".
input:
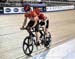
{"x": 62, "y": 28}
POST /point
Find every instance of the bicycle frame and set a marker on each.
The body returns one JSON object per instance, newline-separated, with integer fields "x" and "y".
{"x": 29, "y": 41}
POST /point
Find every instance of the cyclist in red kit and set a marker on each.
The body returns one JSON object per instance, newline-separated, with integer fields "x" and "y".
{"x": 34, "y": 20}
{"x": 34, "y": 17}
{"x": 44, "y": 21}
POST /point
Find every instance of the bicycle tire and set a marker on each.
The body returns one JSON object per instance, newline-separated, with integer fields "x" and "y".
{"x": 48, "y": 39}
{"x": 28, "y": 45}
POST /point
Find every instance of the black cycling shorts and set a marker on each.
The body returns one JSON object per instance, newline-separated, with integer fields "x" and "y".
{"x": 31, "y": 23}
{"x": 43, "y": 23}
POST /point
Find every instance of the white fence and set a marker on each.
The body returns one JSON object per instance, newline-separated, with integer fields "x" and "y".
{"x": 59, "y": 8}
{"x": 9, "y": 10}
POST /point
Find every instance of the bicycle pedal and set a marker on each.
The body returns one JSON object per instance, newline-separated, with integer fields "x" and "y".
{"x": 42, "y": 42}
{"x": 33, "y": 35}
{"x": 47, "y": 43}
{"x": 37, "y": 44}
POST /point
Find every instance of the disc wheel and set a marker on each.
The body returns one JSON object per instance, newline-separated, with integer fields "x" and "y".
{"x": 27, "y": 46}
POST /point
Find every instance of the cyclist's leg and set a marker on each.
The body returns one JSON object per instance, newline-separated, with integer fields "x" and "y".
{"x": 30, "y": 24}
{"x": 47, "y": 26}
{"x": 37, "y": 33}
{"x": 42, "y": 24}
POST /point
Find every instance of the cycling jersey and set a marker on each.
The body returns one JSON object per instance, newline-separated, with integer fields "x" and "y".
{"x": 42, "y": 17}
{"x": 37, "y": 10}
{"x": 27, "y": 14}
{"x": 33, "y": 13}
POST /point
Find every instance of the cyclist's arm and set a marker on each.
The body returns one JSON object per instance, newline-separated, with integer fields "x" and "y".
{"x": 24, "y": 23}
{"x": 35, "y": 19}
{"x": 47, "y": 23}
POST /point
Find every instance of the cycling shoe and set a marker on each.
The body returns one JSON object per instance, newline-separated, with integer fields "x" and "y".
{"x": 37, "y": 44}
{"x": 47, "y": 43}
{"x": 42, "y": 42}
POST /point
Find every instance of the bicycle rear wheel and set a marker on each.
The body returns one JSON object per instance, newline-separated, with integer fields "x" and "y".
{"x": 28, "y": 46}
{"x": 48, "y": 40}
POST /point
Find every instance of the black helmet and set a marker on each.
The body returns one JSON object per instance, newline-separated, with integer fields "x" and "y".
{"x": 27, "y": 7}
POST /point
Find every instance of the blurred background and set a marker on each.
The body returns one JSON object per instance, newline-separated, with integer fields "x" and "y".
{"x": 22, "y": 2}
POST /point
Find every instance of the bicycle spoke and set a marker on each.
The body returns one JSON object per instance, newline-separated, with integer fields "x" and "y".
{"x": 26, "y": 43}
{"x": 29, "y": 49}
{"x": 26, "y": 49}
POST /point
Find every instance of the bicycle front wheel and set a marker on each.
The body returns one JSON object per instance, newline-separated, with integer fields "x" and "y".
{"x": 28, "y": 46}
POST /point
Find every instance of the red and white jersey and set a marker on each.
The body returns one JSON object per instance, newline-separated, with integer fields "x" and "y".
{"x": 42, "y": 17}
{"x": 33, "y": 13}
